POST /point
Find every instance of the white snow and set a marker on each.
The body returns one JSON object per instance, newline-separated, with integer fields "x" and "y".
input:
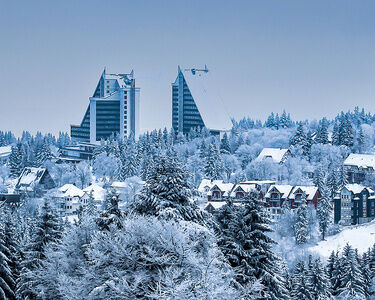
{"x": 361, "y": 237}
{"x": 5, "y": 151}
{"x": 363, "y": 161}
{"x": 276, "y": 154}
{"x": 97, "y": 192}
{"x": 357, "y": 188}
{"x": 207, "y": 184}
{"x": 309, "y": 190}
{"x": 283, "y": 189}
{"x": 30, "y": 175}
{"x": 70, "y": 190}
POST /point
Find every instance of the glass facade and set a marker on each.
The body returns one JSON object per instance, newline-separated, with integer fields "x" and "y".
{"x": 185, "y": 113}
{"x": 107, "y": 119}
{"x": 82, "y": 132}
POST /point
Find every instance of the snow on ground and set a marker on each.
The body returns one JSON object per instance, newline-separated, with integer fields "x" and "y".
{"x": 361, "y": 237}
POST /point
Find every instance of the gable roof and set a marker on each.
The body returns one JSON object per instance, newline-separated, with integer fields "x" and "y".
{"x": 207, "y": 183}
{"x": 97, "y": 191}
{"x": 70, "y": 190}
{"x": 363, "y": 161}
{"x": 30, "y": 176}
{"x": 356, "y": 188}
{"x": 278, "y": 155}
{"x": 283, "y": 189}
{"x": 309, "y": 190}
{"x": 207, "y": 98}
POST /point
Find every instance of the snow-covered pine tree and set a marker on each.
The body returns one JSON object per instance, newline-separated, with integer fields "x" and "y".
{"x": 342, "y": 178}
{"x": 300, "y": 288}
{"x": 270, "y": 123}
{"x": 111, "y": 214}
{"x": 367, "y": 274}
{"x": 352, "y": 286}
{"x": 7, "y": 277}
{"x": 213, "y": 165}
{"x": 360, "y": 140}
{"x": 324, "y": 212}
{"x": 167, "y": 193}
{"x": 224, "y": 144}
{"x": 15, "y": 161}
{"x": 301, "y": 226}
{"x": 128, "y": 166}
{"x": 46, "y": 232}
{"x": 248, "y": 248}
{"x": 322, "y": 133}
{"x": 318, "y": 282}
{"x": 299, "y": 138}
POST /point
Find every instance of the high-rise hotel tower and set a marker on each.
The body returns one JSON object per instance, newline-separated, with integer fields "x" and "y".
{"x": 113, "y": 109}
{"x": 196, "y": 102}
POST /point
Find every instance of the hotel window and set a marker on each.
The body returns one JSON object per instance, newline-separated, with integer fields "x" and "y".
{"x": 125, "y": 97}
{"x": 107, "y": 81}
{"x": 125, "y": 92}
{"x": 107, "y": 86}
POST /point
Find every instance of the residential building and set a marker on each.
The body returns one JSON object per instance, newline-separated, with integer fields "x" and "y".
{"x": 113, "y": 110}
{"x": 275, "y": 198}
{"x": 220, "y": 191}
{"x": 196, "y": 103}
{"x": 242, "y": 191}
{"x": 310, "y": 193}
{"x": 354, "y": 204}
{"x": 69, "y": 198}
{"x": 276, "y": 155}
{"x": 34, "y": 181}
{"x": 357, "y": 166}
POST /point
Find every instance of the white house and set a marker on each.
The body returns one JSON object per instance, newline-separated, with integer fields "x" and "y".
{"x": 69, "y": 198}
{"x": 358, "y": 165}
{"x": 97, "y": 192}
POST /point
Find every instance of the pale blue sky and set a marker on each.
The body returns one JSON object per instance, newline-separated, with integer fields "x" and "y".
{"x": 313, "y": 58}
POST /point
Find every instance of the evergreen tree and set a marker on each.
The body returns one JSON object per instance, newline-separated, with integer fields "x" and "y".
{"x": 15, "y": 161}
{"x": 46, "y": 233}
{"x": 301, "y": 226}
{"x": 247, "y": 246}
{"x": 111, "y": 214}
{"x": 300, "y": 288}
{"x": 213, "y": 164}
{"x": 224, "y": 144}
{"x": 324, "y": 212}
{"x": 352, "y": 279}
{"x": 128, "y": 166}
{"x": 322, "y": 133}
{"x": 360, "y": 141}
{"x": 299, "y": 137}
{"x": 167, "y": 193}
{"x": 318, "y": 282}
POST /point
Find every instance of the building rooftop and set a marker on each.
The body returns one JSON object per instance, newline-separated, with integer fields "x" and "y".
{"x": 363, "y": 161}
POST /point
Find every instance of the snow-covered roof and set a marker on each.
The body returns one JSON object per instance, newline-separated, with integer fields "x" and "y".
{"x": 363, "y": 161}
{"x": 207, "y": 184}
{"x": 216, "y": 204}
{"x": 356, "y": 188}
{"x": 259, "y": 182}
{"x": 118, "y": 184}
{"x": 247, "y": 188}
{"x": 30, "y": 176}
{"x": 5, "y": 151}
{"x": 309, "y": 190}
{"x": 208, "y": 99}
{"x": 97, "y": 191}
{"x": 70, "y": 190}
{"x": 276, "y": 154}
{"x": 283, "y": 189}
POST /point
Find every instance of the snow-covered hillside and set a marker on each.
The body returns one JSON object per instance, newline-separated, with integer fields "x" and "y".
{"x": 361, "y": 237}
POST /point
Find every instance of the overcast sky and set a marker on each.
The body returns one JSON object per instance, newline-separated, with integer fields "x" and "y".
{"x": 311, "y": 58}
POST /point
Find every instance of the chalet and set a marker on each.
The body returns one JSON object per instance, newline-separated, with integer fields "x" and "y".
{"x": 220, "y": 191}
{"x": 276, "y": 155}
{"x": 358, "y": 165}
{"x": 275, "y": 198}
{"x": 242, "y": 191}
{"x": 310, "y": 193}
{"x": 354, "y": 204}
{"x": 69, "y": 198}
{"x": 96, "y": 192}
{"x": 206, "y": 185}
{"x": 35, "y": 181}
